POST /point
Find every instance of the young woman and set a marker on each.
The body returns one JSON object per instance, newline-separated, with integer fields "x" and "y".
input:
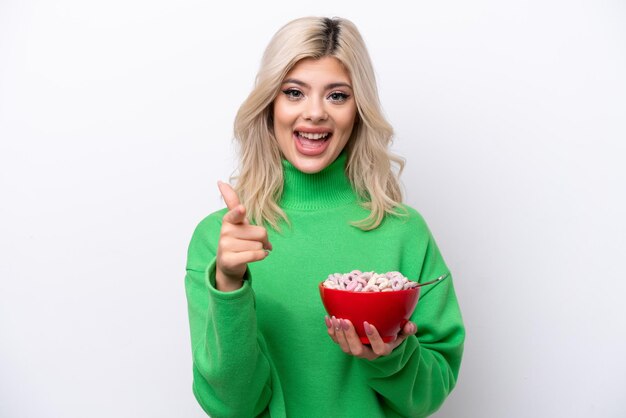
{"x": 317, "y": 193}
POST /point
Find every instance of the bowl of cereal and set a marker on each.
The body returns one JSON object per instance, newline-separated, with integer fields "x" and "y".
{"x": 384, "y": 300}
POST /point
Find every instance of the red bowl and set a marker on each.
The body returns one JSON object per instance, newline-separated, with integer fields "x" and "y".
{"x": 387, "y": 311}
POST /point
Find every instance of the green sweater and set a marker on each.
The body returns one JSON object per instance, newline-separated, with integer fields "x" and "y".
{"x": 263, "y": 350}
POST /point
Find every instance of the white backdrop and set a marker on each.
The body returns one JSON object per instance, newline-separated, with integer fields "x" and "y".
{"x": 115, "y": 124}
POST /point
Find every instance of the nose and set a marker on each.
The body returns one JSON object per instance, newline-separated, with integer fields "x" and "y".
{"x": 315, "y": 110}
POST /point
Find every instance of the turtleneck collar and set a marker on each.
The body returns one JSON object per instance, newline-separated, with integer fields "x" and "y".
{"x": 326, "y": 189}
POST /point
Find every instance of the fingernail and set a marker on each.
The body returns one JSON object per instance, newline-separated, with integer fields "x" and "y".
{"x": 368, "y": 328}
{"x": 345, "y": 325}
{"x": 335, "y": 323}
{"x": 328, "y": 323}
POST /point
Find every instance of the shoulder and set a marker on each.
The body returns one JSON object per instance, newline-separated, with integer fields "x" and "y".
{"x": 409, "y": 217}
{"x": 205, "y": 236}
{"x": 413, "y": 215}
{"x": 407, "y": 225}
{"x": 209, "y": 224}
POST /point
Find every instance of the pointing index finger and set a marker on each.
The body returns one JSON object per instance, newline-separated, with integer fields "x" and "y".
{"x": 230, "y": 197}
{"x": 236, "y": 212}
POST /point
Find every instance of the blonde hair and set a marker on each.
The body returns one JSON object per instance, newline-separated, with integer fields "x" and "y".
{"x": 370, "y": 164}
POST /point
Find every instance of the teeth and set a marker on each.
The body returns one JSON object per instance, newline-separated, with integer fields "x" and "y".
{"x": 308, "y": 135}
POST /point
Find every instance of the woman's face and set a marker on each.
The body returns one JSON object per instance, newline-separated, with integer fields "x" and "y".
{"x": 314, "y": 113}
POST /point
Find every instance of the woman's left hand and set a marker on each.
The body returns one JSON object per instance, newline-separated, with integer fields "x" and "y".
{"x": 342, "y": 332}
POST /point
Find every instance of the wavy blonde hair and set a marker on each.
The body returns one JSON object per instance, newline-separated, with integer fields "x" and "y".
{"x": 370, "y": 167}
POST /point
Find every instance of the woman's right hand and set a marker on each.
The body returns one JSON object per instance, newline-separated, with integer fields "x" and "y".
{"x": 240, "y": 243}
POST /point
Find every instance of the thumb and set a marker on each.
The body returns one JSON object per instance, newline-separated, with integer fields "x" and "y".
{"x": 236, "y": 215}
{"x": 409, "y": 328}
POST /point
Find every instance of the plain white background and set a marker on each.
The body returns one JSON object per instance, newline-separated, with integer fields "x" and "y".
{"x": 116, "y": 123}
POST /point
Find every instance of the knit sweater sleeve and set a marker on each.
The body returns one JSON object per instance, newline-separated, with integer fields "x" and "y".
{"x": 231, "y": 374}
{"x": 415, "y": 379}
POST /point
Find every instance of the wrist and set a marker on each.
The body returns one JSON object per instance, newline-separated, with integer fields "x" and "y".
{"x": 226, "y": 283}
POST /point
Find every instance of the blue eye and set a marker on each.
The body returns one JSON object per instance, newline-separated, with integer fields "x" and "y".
{"x": 338, "y": 96}
{"x": 292, "y": 93}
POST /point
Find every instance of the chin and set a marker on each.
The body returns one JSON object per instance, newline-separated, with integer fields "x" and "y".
{"x": 311, "y": 167}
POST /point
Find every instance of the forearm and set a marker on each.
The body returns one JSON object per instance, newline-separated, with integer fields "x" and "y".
{"x": 415, "y": 379}
{"x": 231, "y": 373}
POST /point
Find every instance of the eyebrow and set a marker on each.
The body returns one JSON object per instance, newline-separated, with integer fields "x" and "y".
{"x": 327, "y": 87}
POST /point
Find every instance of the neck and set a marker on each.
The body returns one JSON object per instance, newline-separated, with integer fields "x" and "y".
{"x": 325, "y": 189}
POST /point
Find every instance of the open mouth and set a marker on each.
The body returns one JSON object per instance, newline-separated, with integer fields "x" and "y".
{"x": 312, "y": 141}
